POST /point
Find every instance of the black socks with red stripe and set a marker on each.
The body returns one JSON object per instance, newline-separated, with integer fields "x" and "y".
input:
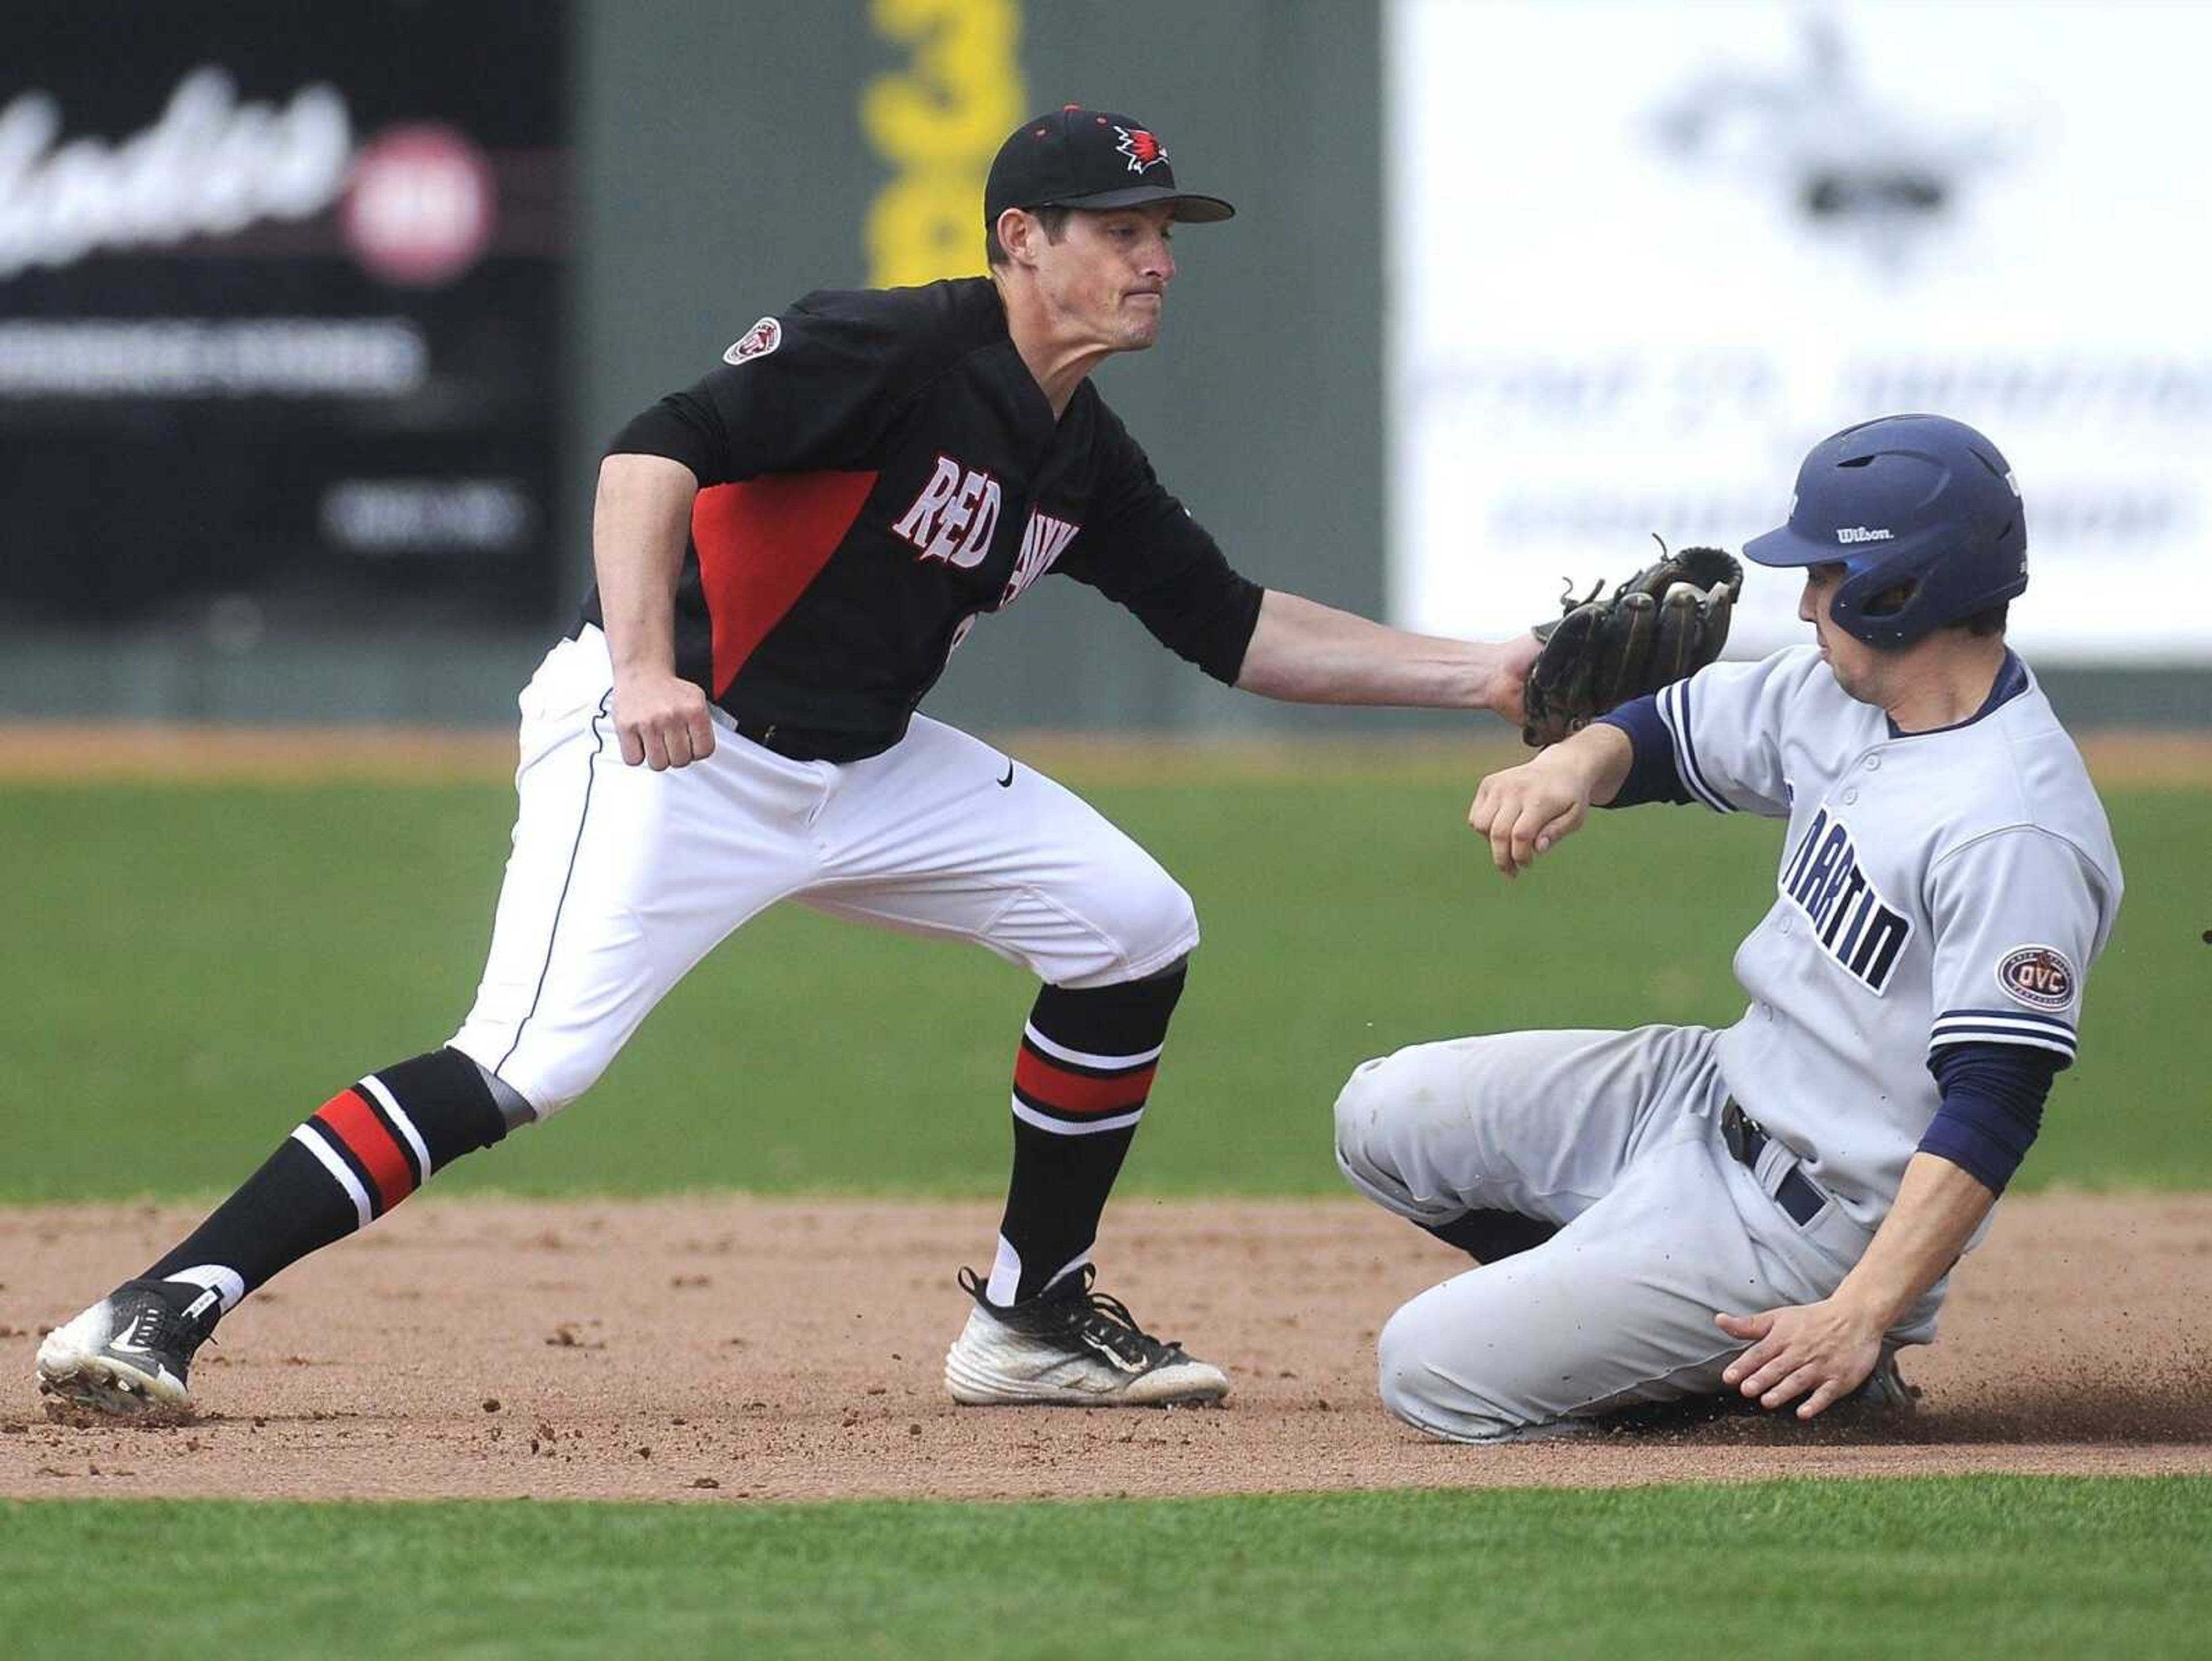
{"x": 362, "y": 1152}
{"x": 1081, "y": 1077}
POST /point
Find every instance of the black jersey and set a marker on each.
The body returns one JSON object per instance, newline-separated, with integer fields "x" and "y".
{"x": 878, "y": 467}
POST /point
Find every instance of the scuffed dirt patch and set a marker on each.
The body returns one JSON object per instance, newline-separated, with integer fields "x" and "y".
{"x": 725, "y": 1348}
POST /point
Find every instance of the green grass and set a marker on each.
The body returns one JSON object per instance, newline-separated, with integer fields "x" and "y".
{"x": 188, "y": 972}
{"x": 2018, "y": 1566}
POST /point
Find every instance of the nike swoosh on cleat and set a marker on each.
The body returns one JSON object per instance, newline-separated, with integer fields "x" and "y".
{"x": 1006, "y": 783}
{"x": 1107, "y": 1350}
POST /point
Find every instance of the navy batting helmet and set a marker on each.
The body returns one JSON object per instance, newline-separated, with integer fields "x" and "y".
{"x": 1923, "y": 514}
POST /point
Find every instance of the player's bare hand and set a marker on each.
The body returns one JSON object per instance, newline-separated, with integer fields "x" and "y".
{"x": 662, "y": 721}
{"x": 1516, "y": 657}
{"x": 1524, "y": 811}
{"x": 1820, "y": 1351}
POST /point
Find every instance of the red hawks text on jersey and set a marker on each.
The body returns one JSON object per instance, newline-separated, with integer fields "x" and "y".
{"x": 954, "y": 516}
{"x": 879, "y": 469}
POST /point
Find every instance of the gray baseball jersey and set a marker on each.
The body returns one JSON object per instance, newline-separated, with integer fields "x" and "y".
{"x": 1935, "y": 887}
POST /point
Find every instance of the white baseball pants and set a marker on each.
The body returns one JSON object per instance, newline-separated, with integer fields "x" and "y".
{"x": 621, "y": 878}
{"x": 1617, "y": 1136}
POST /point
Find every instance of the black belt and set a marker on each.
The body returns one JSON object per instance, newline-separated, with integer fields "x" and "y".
{"x": 791, "y": 743}
{"x": 1746, "y": 1139}
{"x": 804, "y": 744}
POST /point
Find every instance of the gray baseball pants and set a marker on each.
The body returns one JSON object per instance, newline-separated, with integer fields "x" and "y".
{"x": 1616, "y": 1136}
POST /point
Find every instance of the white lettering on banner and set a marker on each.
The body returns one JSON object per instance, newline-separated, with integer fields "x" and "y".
{"x": 414, "y": 516}
{"x": 184, "y": 357}
{"x": 1708, "y": 391}
{"x": 210, "y": 167}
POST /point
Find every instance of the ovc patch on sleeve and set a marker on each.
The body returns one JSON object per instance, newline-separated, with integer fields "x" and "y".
{"x": 2038, "y": 976}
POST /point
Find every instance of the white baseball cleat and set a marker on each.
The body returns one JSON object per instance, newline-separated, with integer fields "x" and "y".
{"x": 1070, "y": 1347}
{"x": 130, "y": 1352}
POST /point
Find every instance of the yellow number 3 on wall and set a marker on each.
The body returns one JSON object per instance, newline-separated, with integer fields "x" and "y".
{"x": 937, "y": 122}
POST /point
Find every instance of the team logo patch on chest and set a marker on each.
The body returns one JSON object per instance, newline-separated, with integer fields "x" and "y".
{"x": 1853, "y": 924}
{"x": 2038, "y": 976}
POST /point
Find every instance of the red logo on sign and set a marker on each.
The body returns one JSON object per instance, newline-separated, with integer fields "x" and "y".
{"x": 758, "y": 342}
{"x": 423, "y": 206}
{"x": 1141, "y": 148}
{"x": 2038, "y": 976}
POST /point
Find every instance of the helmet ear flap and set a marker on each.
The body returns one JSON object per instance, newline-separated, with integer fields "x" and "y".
{"x": 1896, "y": 598}
{"x": 1877, "y": 605}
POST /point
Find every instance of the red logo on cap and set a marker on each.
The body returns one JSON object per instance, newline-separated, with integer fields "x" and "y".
{"x": 1140, "y": 147}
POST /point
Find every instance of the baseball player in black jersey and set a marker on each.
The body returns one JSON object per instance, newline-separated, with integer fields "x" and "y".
{"x": 786, "y": 554}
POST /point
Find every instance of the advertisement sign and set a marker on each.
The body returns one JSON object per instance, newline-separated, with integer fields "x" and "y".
{"x": 280, "y": 314}
{"x": 1643, "y": 254}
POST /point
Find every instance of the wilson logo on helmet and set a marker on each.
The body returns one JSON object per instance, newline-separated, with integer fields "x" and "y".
{"x": 1859, "y": 533}
{"x": 1140, "y": 147}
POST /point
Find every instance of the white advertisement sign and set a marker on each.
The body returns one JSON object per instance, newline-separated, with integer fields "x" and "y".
{"x": 1643, "y": 253}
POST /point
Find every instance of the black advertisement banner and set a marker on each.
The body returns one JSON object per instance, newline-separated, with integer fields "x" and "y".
{"x": 281, "y": 313}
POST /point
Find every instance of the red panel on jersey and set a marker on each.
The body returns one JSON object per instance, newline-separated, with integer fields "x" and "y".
{"x": 348, "y": 1117}
{"x": 760, "y": 544}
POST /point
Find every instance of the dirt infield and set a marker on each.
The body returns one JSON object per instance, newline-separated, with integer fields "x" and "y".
{"x": 742, "y": 1349}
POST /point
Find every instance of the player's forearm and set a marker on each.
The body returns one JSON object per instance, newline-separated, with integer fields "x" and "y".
{"x": 1600, "y": 756}
{"x": 1304, "y": 653}
{"x": 1938, "y": 1207}
{"x": 640, "y": 521}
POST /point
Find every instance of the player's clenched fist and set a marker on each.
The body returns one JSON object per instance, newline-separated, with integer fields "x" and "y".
{"x": 1525, "y": 809}
{"x": 662, "y": 721}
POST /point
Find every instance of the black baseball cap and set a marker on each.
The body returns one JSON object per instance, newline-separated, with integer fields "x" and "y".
{"x": 1079, "y": 158}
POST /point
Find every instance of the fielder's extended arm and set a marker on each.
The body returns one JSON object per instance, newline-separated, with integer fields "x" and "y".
{"x": 1304, "y": 653}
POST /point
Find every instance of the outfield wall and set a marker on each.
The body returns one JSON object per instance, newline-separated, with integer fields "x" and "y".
{"x": 669, "y": 174}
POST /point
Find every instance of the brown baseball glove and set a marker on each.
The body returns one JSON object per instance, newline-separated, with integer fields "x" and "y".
{"x": 1667, "y": 622}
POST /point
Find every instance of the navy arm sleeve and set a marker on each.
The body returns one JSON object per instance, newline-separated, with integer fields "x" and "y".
{"x": 1142, "y": 549}
{"x": 1652, "y": 775}
{"x": 1993, "y": 1097}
